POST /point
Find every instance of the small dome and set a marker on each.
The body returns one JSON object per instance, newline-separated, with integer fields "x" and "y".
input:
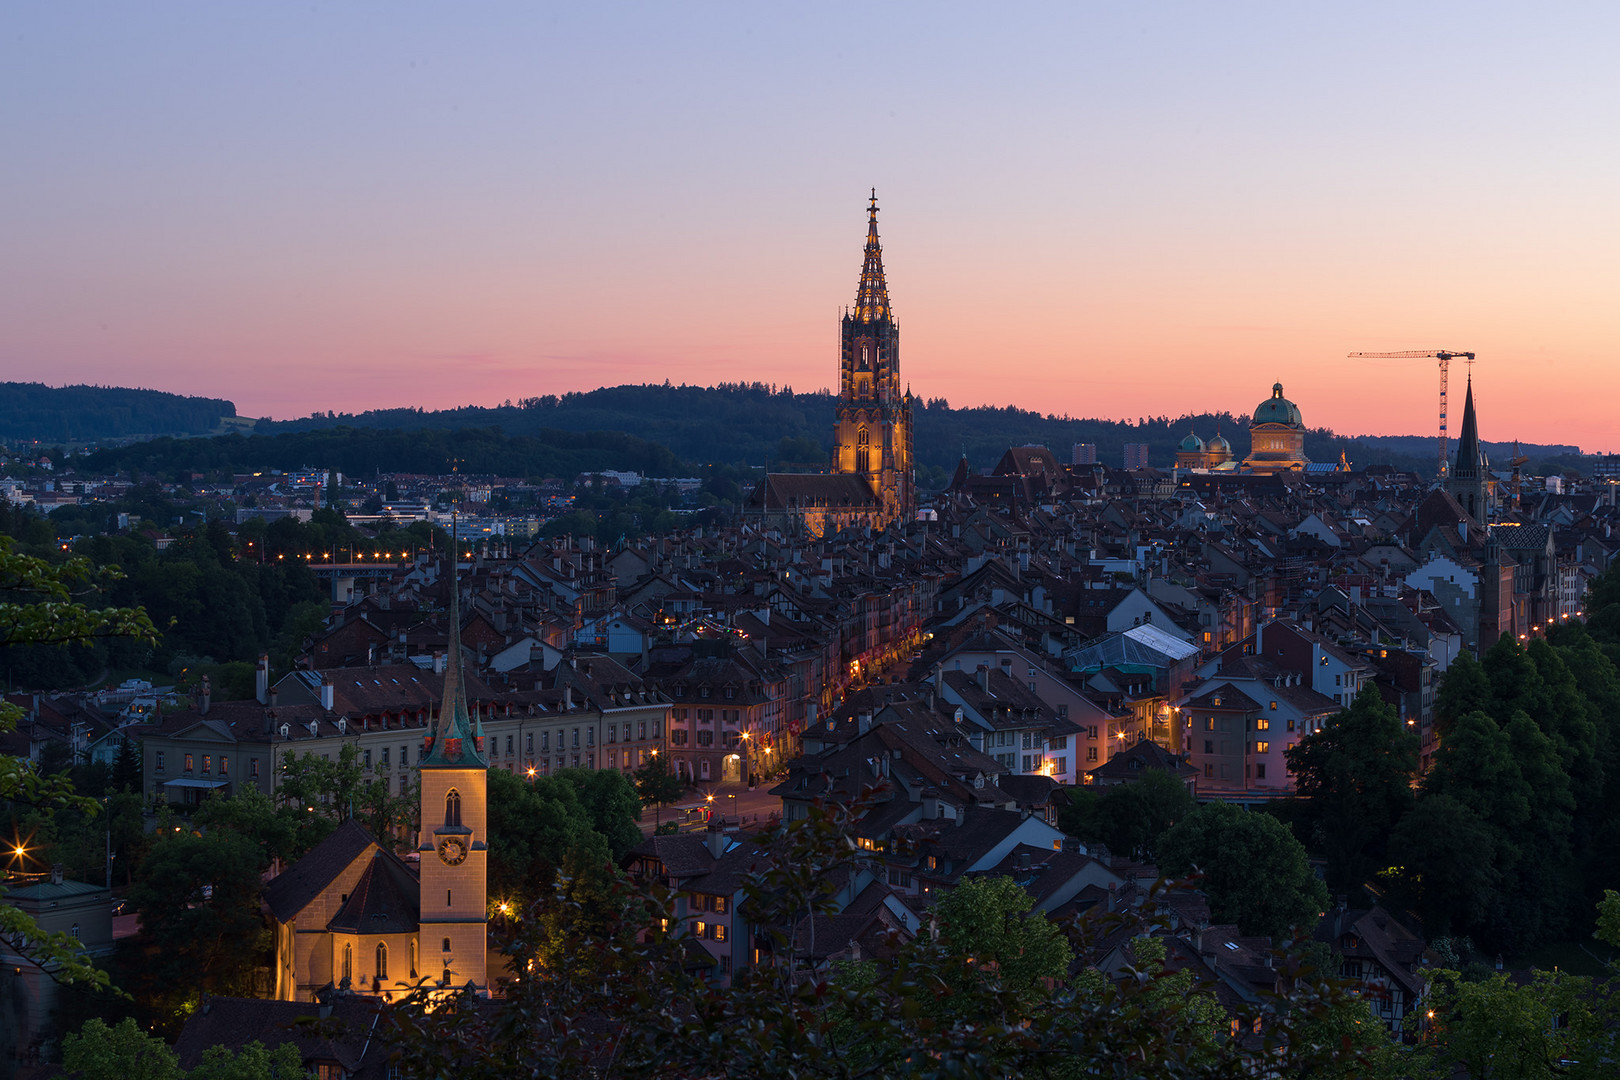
{"x": 1192, "y": 444}
{"x": 1278, "y": 410}
{"x": 1218, "y": 445}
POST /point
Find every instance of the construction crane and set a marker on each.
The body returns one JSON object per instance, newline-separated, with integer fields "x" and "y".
{"x": 1445, "y": 356}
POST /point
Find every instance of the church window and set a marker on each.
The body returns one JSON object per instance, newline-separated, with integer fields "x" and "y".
{"x": 446, "y": 945}
{"x": 382, "y": 960}
{"x": 348, "y": 963}
{"x": 452, "y": 808}
{"x": 413, "y": 958}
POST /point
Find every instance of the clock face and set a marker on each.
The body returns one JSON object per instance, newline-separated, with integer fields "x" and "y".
{"x": 452, "y": 851}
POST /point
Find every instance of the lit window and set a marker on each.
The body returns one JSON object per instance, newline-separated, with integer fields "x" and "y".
{"x": 1262, "y": 747}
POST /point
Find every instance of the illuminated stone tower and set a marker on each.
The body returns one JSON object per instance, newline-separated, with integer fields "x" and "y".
{"x": 872, "y": 433}
{"x": 453, "y": 841}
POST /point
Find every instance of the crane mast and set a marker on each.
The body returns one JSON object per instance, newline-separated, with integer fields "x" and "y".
{"x": 1445, "y": 356}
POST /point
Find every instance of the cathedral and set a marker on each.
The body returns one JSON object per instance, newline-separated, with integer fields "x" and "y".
{"x": 352, "y": 915}
{"x": 870, "y": 480}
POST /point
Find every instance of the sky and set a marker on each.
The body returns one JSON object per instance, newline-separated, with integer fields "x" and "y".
{"x": 1092, "y": 209}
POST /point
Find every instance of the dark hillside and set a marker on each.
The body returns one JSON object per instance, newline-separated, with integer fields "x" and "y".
{"x": 73, "y": 414}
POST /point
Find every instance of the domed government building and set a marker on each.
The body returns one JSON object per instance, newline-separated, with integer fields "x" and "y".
{"x": 1276, "y": 442}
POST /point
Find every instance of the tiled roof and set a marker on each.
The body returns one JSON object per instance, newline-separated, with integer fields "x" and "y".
{"x": 292, "y": 890}
{"x": 386, "y": 899}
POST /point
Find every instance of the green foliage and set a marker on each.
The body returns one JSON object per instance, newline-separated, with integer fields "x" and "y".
{"x": 250, "y": 1062}
{"x": 1255, "y": 873}
{"x": 611, "y": 804}
{"x": 323, "y": 792}
{"x": 1354, "y": 778}
{"x": 1129, "y": 818}
{"x": 989, "y": 922}
{"x": 71, "y": 414}
{"x": 198, "y": 898}
{"x": 1492, "y": 1029}
{"x": 122, "y": 1052}
{"x": 656, "y": 783}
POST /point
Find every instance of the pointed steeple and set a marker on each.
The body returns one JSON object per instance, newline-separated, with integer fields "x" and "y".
{"x": 872, "y": 298}
{"x": 457, "y": 739}
{"x": 1468, "y": 455}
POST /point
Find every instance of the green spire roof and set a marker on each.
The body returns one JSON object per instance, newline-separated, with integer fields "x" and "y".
{"x": 457, "y": 739}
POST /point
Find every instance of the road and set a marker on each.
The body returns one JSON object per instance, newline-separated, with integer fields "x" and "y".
{"x": 734, "y": 803}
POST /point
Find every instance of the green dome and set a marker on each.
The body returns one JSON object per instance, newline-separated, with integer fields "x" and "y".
{"x": 1192, "y": 444}
{"x": 1278, "y": 410}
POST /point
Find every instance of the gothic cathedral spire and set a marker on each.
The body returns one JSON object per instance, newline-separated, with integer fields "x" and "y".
{"x": 1468, "y": 482}
{"x": 872, "y": 433}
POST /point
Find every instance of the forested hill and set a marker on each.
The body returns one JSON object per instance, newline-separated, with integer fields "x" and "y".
{"x": 762, "y": 425}
{"x": 363, "y": 452}
{"x": 75, "y": 414}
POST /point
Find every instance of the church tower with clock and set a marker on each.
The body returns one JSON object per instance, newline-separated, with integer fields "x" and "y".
{"x": 872, "y": 429}
{"x": 453, "y": 840}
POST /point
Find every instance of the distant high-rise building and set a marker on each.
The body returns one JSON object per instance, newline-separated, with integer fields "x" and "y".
{"x": 1084, "y": 454}
{"x": 1136, "y": 455}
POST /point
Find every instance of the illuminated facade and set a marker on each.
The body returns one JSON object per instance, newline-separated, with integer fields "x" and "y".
{"x": 1277, "y": 436}
{"x": 870, "y": 482}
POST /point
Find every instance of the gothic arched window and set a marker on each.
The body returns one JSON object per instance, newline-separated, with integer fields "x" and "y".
{"x": 348, "y": 963}
{"x": 452, "y": 808}
{"x": 382, "y": 960}
{"x": 863, "y": 452}
{"x": 413, "y": 958}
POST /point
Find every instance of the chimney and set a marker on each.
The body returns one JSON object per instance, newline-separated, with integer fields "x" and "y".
{"x": 270, "y": 697}
{"x": 261, "y": 679}
{"x": 983, "y": 676}
{"x": 715, "y": 839}
{"x": 438, "y": 661}
{"x": 56, "y": 879}
{"x": 568, "y": 697}
{"x": 863, "y": 721}
{"x": 205, "y": 695}
{"x": 326, "y": 693}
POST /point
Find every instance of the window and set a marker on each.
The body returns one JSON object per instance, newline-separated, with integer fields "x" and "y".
{"x": 1261, "y": 747}
{"x": 1290, "y": 725}
{"x": 725, "y": 964}
{"x": 641, "y": 730}
{"x": 613, "y": 733}
{"x": 159, "y": 762}
{"x": 1273, "y": 706}
{"x": 368, "y": 759}
{"x": 508, "y": 749}
{"x": 700, "y": 928}
{"x": 1209, "y": 746}
{"x": 382, "y": 960}
{"x": 74, "y": 931}
{"x": 348, "y": 963}
{"x": 1260, "y": 771}
{"x": 1060, "y": 765}
{"x": 720, "y": 905}
{"x": 1262, "y": 724}
{"x": 719, "y": 931}
{"x": 224, "y": 765}
{"x": 208, "y": 763}
{"x": 190, "y": 763}
{"x": 545, "y": 740}
{"x": 576, "y": 738}
{"x": 1091, "y": 753}
{"x": 452, "y": 808}
{"x": 528, "y": 743}
{"x": 1209, "y": 723}
{"x": 413, "y": 958}
{"x": 900, "y": 878}
{"x": 446, "y": 946}
{"x": 1209, "y": 771}
{"x": 253, "y": 766}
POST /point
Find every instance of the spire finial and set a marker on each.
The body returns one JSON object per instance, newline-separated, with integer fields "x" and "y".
{"x": 872, "y": 298}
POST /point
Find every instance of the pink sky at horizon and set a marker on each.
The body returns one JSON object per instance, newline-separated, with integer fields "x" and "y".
{"x": 1103, "y": 212}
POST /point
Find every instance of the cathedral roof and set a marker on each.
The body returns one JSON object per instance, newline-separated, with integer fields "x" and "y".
{"x": 386, "y": 900}
{"x": 1278, "y": 410}
{"x": 808, "y": 490}
{"x": 294, "y": 888}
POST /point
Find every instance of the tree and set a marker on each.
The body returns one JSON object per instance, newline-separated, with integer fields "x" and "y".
{"x": 198, "y": 898}
{"x": 1255, "y": 873}
{"x": 250, "y": 1062}
{"x": 1445, "y": 857}
{"x": 611, "y": 803}
{"x": 656, "y": 783}
{"x": 989, "y": 921}
{"x": 1129, "y": 818}
{"x": 1491, "y": 1029}
{"x": 48, "y": 606}
{"x": 329, "y": 792}
{"x": 1354, "y": 779}
{"x": 123, "y": 1052}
